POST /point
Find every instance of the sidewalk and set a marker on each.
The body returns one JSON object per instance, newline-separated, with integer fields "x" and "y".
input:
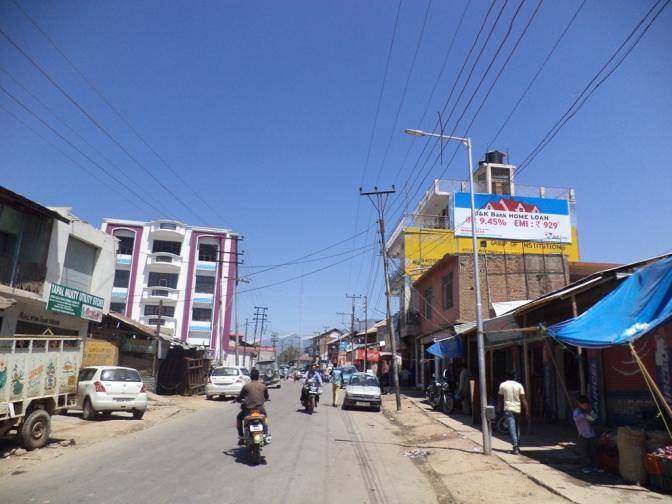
{"x": 548, "y": 462}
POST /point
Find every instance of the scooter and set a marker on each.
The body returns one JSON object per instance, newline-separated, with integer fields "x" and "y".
{"x": 253, "y": 427}
{"x": 311, "y": 395}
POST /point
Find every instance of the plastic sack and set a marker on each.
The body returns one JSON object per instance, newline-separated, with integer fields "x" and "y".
{"x": 631, "y": 450}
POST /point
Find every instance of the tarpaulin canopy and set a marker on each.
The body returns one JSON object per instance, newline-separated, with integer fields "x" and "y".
{"x": 641, "y": 303}
{"x": 451, "y": 348}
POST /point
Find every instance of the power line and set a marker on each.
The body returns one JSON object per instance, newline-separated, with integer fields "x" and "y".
{"x": 93, "y": 120}
{"x": 537, "y": 73}
{"x": 115, "y": 109}
{"x": 585, "y": 93}
{"x": 405, "y": 90}
{"x": 99, "y": 166}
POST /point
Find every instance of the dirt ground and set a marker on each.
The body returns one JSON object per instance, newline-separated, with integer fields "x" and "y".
{"x": 70, "y": 431}
{"x": 455, "y": 466}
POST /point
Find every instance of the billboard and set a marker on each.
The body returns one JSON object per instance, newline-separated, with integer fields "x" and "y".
{"x": 506, "y": 217}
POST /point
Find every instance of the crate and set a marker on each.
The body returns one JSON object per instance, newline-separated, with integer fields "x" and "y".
{"x": 653, "y": 465}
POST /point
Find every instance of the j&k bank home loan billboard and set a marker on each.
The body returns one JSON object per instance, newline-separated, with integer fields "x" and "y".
{"x": 506, "y": 217}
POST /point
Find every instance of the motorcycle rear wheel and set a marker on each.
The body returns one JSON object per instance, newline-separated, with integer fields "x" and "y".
{"x": 255, "y": 451}
{"x": 310, "y": 405}
{"x": 447, "y": 404}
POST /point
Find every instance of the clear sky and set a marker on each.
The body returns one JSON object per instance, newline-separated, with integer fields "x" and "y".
{"x": 266, "y": 108}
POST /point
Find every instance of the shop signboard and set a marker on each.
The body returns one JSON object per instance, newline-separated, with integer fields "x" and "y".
{"x": 75, "y": 302}
{"x": 507, "y": 217}
{"x": 99, "y": 353}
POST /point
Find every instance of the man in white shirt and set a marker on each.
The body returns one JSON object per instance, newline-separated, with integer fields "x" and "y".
{"x": 512, "y": 401}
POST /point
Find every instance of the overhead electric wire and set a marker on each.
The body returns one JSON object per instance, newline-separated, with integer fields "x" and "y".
{"x": 116, "y": 111}
{"x": 587, "y": 92}
{"x": 82, "y": 153}
{"x": 537, "y": 73}
{"x": 405, "y": 89}
{"x": 67, "y": 156}
{"x": 436, "y": 83}
{"x": 95, "y": 122}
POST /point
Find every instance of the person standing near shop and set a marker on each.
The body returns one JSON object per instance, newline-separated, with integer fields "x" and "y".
{"x": 464, "y": 388}
{"x": 512, "y": 402}
{"x": 584, "y": 417}
{"x": 336, "y": 380}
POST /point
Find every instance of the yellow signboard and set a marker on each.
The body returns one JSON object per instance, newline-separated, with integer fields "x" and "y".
{"x": 423, "y": 247}
{"x": 99, "y": 353}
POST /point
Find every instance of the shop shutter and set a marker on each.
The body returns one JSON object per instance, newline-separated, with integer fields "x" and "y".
{"x": 80, "y": 259}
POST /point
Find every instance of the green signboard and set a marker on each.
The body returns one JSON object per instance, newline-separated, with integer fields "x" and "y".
{"x": 74, "y": 302}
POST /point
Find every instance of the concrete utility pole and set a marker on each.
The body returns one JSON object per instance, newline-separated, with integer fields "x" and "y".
{"x": 366, "y": 334}
{"x": 257, "y": 318}
{"x": 485, "y": 421}
{"x": 247, "y": 323}
{"x": 236, "y": 280}
{"x": 159, "y": 322}
{"x": 379, "y": 199}
{"x": 352, "y": 322}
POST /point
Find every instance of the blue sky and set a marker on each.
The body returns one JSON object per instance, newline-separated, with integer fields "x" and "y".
{"x": 267, "y": 109}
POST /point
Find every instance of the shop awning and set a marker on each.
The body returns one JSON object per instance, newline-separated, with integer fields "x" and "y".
{"x": 640, "y": 304}
{"x": 450, "y": 348}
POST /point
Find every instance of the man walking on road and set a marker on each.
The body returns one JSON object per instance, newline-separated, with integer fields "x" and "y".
{"x": 512, "y": 401}
{"x": 336, "y": 380}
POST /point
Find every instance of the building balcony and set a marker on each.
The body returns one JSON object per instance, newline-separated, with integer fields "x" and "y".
{"x": 164, "y": 262}
{"x": 167, "y": 230}
{"x": 124, "y": 261}
{"x": 159, "y": 293}
{"x": 119, "y": 293}
{"x": 168, "y": 324}
{"x": 202, "y": 298}
{"x": 200, "y": 327}
{"x": 207, "y": 267}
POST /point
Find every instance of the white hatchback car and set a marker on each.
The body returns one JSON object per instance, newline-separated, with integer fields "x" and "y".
{"x": 110, "y": 388}
{"x": 226, "y": 381}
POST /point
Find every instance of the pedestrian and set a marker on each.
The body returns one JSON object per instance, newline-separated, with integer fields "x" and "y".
{"x": 464, "y": 388}
{"x": 336, "y": 380}
{"x": 584, "y": 417}
{"x": 512, "y": 402}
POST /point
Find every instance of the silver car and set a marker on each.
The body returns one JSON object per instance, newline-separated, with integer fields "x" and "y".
{"x": 363, "y": 390}
{"x": 226, "y": 381}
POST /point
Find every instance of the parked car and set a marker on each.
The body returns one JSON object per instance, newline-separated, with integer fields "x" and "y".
{"x": 363, "y": 390}
{"x": 226, "y": 381}
{"x": 269, "y": 373}
{"x": 105, "y": 389}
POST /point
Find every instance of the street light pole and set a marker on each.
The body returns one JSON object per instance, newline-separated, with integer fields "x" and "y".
{"x": 485, "y": 423}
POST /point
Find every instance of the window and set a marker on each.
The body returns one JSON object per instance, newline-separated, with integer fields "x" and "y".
{"x": 225, "y": 371}
{"x": 205, "y": 284}
{"x": 80, "y": 259}
{"x": 201, "y": 314}
{"x": 125, "y": 245}
{"x": 207, "y": 252}
{"x": 447, "y": 289}
{"x": 121, "y": 278}
{"x": 86, "y": 374}
{"x": 168, "y": 225}
{"x": 428, "y": 303}
{"x": 118, "y": 307}
{"x": 170, "y": 247}
{"x": 244, "y": 371}
{"x": 120, "y": 375}
{"x": 168, "y": 311}
{"x": 162, "y": 280}
{"x": 24, "y": 242}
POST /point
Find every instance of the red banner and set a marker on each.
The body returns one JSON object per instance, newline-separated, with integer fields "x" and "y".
{"x": 371, "y": 356}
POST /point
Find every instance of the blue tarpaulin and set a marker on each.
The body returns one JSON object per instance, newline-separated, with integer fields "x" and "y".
{"x": 451, "y": 348}
{"x": 641, "y": 303}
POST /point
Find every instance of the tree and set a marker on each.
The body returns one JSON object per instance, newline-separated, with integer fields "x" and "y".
{"x": 288, "y": 355}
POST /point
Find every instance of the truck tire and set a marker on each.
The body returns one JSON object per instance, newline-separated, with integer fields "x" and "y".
{"x": 88, "y": 413}
{"x": 34, "y": 432}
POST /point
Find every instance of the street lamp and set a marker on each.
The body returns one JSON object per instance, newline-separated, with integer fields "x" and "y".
{"x": 485, "y": 422}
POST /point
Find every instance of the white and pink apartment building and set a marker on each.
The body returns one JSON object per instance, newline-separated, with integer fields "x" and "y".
{"x": 191, "y": 269}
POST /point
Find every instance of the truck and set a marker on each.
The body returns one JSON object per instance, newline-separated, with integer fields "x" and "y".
{"x": 38, "y": 378}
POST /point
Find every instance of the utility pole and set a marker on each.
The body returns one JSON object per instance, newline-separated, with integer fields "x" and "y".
{"x": 159, "y": 322}
{"x": 236, "y": 280}
{"x": 366, "y": 334}
{"x": 257, "y": 318}
{"x": 245, "y": 340}
{"x": 352, "y": 320}
{"x": 379, "y": 199}
{"x": 274, "y": 342}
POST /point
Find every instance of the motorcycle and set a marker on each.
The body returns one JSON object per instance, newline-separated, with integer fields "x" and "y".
{"x": 440, "y": 394}
{"x": 433, "y": 392}
{"x": 311, "y": 395}
{"x": 253, "y": 427}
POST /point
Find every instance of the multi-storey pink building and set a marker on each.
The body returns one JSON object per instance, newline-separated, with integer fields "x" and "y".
{"x": 190, "y": 268}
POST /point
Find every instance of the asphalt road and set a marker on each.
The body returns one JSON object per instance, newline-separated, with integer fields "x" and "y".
{"x": 332, "y": 456}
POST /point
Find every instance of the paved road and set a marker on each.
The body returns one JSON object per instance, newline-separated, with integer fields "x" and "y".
{"x": 333, "y": 456}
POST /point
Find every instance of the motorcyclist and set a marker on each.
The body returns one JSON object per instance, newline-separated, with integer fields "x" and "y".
{"x": 311, "y": 374}
{"x": 253, "y": 396}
